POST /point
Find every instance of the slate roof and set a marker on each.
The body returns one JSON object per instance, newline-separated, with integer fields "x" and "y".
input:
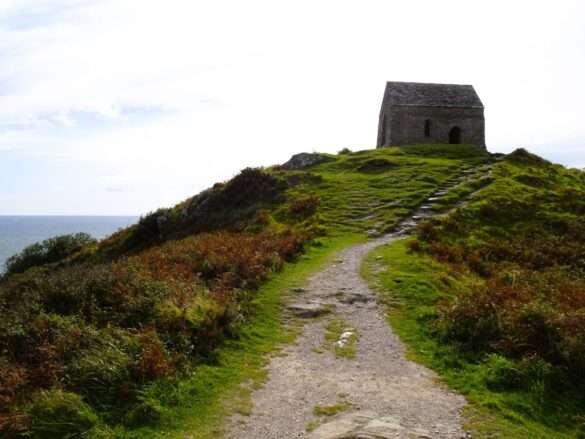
{"x": 431, "y": 95}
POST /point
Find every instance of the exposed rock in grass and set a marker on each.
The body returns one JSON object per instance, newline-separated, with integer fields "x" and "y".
{"x": 309, "y": 310}
{"x": 304, "y": 160}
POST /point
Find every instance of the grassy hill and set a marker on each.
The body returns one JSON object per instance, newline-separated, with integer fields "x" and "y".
{"x": 149, "y": 332}
{"x": 492, "y": 296}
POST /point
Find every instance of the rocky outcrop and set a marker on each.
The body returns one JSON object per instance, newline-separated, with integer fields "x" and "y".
{"x": 304, "y": 160}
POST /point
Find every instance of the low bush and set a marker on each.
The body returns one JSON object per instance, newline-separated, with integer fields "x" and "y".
{"x": 305, "y": 207}
{"x": 59, "y": 414}
{"x": 50, "y": 250}
{"x": 96, "y": 333}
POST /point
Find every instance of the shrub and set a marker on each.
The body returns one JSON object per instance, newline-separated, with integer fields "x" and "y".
{"x": 502, "y": 373}
{"x": 147, "y": 411}
{"x": 150, "y": 229}
{"x": 225, "y": 205}
{"x": 101, "y": 372}
{"x": 13, "y": 377}
{"x": 305, "y": 207}
{"x": 50, "y": 250}
{"x": 153, "y": 361}
{"x": 59, "y": 414}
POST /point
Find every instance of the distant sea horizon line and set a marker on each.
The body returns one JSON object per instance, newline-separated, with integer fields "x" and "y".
{"x": 71, "y": 215}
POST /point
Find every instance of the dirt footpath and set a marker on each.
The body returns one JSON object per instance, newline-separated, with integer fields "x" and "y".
{"x": 316, "y": 389}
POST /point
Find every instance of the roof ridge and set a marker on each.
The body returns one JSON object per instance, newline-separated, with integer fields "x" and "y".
{"x": 431, "y": 94}
{"x": 428, "y": 83}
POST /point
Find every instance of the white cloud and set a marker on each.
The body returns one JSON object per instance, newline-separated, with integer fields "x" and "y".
{"x": 168, "y": 98}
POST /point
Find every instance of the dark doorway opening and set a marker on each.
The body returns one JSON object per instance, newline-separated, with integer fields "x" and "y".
{"x": 455, "y": 136}
{"x": 428, "y": 128}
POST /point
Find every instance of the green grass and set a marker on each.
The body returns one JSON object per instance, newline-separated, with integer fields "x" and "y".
{"x": 412, "y": 286}
{"x": 333, "y": 331}
{"x": 331, "y": 410}
{"x": 198, "y": 405}
{"x": 353, "y": 201}
{"x": 326, "y": 411}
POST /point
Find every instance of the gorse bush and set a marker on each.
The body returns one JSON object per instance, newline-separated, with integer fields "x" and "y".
{"x": 50, "y": 250}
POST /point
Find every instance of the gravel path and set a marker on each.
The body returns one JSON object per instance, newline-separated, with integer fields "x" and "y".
{"x": 379, "y": 393}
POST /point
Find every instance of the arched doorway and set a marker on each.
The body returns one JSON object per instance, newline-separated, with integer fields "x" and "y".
{"x": 455, "y": 135}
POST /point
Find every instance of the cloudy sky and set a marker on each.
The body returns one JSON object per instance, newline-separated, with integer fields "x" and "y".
{"x": 123, "y": 106}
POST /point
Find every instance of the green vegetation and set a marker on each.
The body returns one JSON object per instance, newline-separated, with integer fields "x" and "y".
{"x": 200, "y": 401}
{"x": 492, "y": 296}
{"x": 331, "y": 410}
{"x": 333, "y": 333}
{"x": 150, "y": 331}
{"x": 375, "y": 189}
{"x": 325, "y": 411}
{"x": 48, "y": 251}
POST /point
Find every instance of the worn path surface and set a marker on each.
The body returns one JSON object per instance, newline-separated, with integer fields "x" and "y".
{"x": 378, "y": 394}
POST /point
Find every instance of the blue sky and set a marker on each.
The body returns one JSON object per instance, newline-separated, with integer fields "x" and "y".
{"x": 123, "y": 106}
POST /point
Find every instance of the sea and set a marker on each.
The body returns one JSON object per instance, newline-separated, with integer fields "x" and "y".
{"x": 17, "y": 232}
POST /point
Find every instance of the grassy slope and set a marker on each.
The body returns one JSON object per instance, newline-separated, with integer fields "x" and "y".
{"x": 395, "y": 191}
{"x": 411, "y": 288}
{"x": 523, "y": 194}
{"x": 347, "y": 195}
{"x": 358, "y": 192}
{"x": 353, "y": 200}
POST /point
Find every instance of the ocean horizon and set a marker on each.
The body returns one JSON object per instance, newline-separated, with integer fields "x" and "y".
{"x": 20, "y": 231}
